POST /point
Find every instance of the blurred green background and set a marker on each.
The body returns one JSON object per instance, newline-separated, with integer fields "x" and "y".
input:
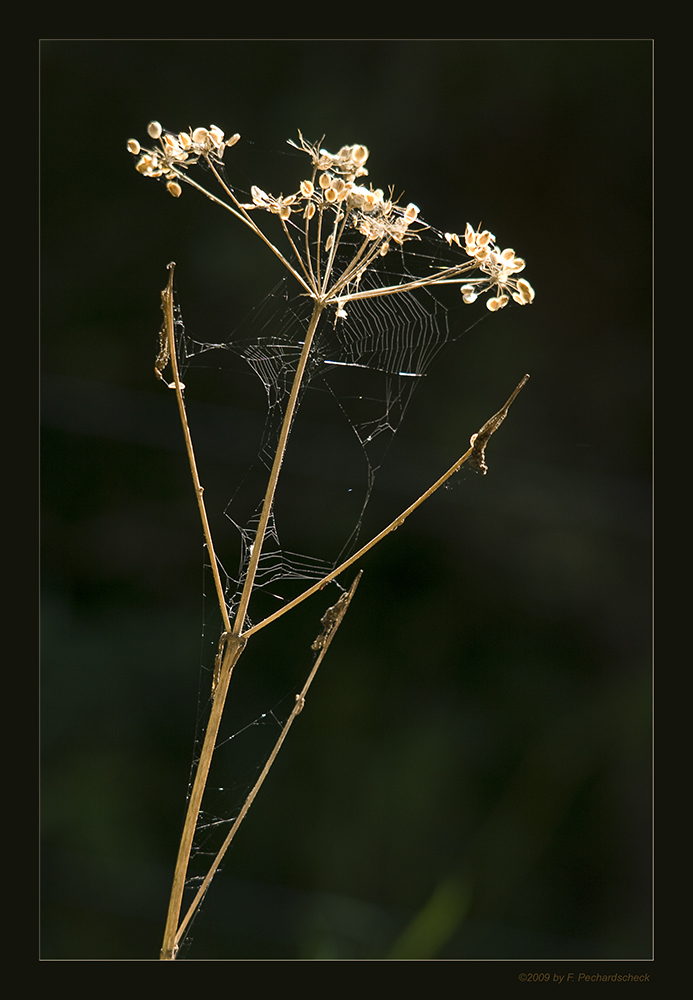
{"x": 471, "y": 775}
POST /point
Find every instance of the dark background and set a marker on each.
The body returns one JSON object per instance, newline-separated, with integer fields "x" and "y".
{"x": 471, "y": 775}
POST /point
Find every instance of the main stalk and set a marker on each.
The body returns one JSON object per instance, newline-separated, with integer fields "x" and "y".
{"x": 234, "y": 647}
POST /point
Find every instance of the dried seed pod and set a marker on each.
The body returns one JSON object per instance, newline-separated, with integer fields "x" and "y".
{"x": 148, "y": 165}
{"x": 174, "y": 188}
{"x": 154, "y": 130}
{"x": 133, "y": 146}
{"x": 497, "y": 303}
{"x": 525, "y": 290}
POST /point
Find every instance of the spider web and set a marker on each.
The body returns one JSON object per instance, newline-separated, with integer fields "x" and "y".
{"x": 366, "y": 362}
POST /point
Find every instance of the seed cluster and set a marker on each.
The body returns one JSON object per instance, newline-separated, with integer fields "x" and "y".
{"x": 178, "y": 152}
{"x": 500, "y": 265}
{"x": 333, "y": 183}
{"x": 333, "y": 191}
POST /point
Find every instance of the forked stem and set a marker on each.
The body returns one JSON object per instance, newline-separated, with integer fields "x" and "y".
{"x": 234, "y": 648}
{"x": 234, "y": 638}
{"x": 234, "y": 642}
{"x": 475, "y": 455}
{"x": 331, "y": 622}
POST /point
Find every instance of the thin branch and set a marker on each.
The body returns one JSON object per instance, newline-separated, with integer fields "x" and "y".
{"x": 309, "y": 257}
{"x": 475, "y": 455}
{"x": 308, "y": 271}
{"x": 356, "y": 266}
{"x": 246, "y": 220}
{"x": 331, "y": 621}
{"x": 169, "y": 337}
{"x": 479, "y": 441}
{"x": 445, "y": 277}
{"x": 274, "y": 474}
{"x": 340, "y": 221}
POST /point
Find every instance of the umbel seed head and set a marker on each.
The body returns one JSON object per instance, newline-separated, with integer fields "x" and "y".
{"x": 333, "y": 194}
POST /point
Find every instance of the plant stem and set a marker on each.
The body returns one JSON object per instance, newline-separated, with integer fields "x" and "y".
{"x": 338, "y": 612}
{"x": 276, "y": 468}
{"x": 235, "y": 643}
{"x": 243, "y": 215}
{"x": 169, "y": 327}
{"x": 476, "y": 452}
{"x": 234, "y": 637}
{"x": 234, "y": 648}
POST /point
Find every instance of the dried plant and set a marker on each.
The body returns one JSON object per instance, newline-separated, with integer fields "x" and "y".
{"x": 335, "y": 232}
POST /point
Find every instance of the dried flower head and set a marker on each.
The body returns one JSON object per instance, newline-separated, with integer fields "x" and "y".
{"x": 500, "y": 266}
{"x": 177, "y": 152}
{"x": 333, "y": 201}
{"x": 334, "y": 230}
